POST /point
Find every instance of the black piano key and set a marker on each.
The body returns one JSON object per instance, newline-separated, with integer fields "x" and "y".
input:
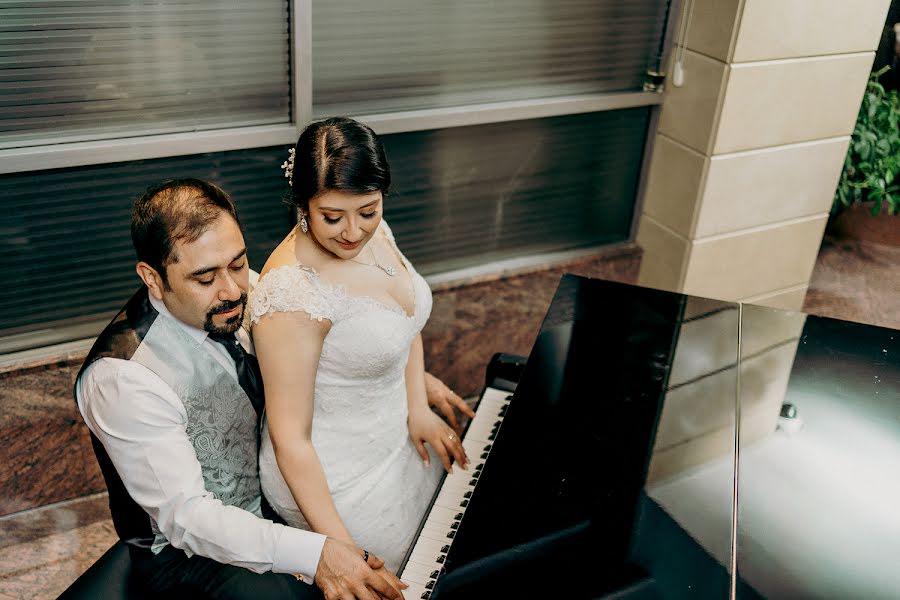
{"x": 451, "y": 535}
{"x": 468, "y": 494}
{"x": 488, "y": 448}
{"x": 442, "y": 558}
{"x": 434, "y": 574}
{"x": 429, "y": 585}
{"x": 484, "y": 455}
{"x": 458, "y": 516}
{"x": 454, "y": 525}
{"x": 464, "y": 503}
{"x": 426, "y": 595}
{"x": 479, "y": 467}
{"x": 474, "y": 481}
{"x": 445, "y": 550}
{"x": 492, "y": 436}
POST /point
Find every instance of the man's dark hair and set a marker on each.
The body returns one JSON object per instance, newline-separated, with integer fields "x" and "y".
{"x": 172, "y": 211}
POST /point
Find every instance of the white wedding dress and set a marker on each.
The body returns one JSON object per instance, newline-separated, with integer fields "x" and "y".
{"x": 378, "y": 481}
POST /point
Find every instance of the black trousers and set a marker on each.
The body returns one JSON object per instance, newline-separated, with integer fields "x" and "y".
{"x": 171, "y": 574}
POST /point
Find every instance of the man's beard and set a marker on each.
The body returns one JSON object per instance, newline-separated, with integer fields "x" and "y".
{"x": 232, "y": 324}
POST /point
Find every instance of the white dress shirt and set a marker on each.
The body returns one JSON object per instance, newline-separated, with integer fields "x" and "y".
{"x": 142, "y": 425}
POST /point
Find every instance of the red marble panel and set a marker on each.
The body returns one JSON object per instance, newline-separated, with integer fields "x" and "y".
{"x": 470, "y": 323}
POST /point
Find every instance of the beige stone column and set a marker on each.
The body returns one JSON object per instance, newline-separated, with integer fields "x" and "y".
{"x": 749, "y": 150}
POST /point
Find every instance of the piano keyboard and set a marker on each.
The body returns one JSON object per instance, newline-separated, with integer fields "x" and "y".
{"x": 425, "y": 562}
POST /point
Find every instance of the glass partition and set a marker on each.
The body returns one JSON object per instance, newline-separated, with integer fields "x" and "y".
{"x": 691, "y": 470}
{"x": 820, "y": 445}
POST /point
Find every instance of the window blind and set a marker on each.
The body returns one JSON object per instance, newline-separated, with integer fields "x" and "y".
{"x": 65, "y": 242}
{"x": 469, "y": 195}
{"x": 75, "y": 70}
{"x": 375, "y": 57}
{"x": 461, "y": 197}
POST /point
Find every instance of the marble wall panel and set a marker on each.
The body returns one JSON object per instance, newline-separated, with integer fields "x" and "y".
{"x": 665, "y": 255}
{"x": 755, "y": 261}
{"x": 675, "y": 179}
{"x": 772, "y": 29}
{"x": 713, "y": 26}
{"x": 690, "y": 112}
{"x": 761, "y": 187}
{"x": 781, "y": 102}
{"x": 47, "y": 450}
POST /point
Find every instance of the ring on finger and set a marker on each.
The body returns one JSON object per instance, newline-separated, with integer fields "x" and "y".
{"x": 451, "y": 437}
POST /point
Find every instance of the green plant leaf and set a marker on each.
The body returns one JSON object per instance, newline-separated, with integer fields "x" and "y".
{"x": 876, "y": 206}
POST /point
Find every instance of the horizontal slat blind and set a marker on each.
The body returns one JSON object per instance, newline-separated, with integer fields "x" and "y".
{"x": 65, "y": 245}
{"x": 461, "y": 197}
{"x": 105, "y": 69}
{"x": 469, "y": 195}
{"x": 374, "y": 57}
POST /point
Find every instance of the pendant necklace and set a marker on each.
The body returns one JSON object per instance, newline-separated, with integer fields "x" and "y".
{"x": 390, "y": 270}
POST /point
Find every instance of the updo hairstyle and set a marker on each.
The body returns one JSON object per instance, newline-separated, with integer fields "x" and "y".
{"x": 338, "y": 154}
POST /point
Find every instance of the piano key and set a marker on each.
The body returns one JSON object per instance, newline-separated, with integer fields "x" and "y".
{"x": 442, "y": 515}
{"x": 415, "y": 577}
{"x": 426, "y": 559}
{"x": 438, "y": 536}
{"x": 414, "y": 592}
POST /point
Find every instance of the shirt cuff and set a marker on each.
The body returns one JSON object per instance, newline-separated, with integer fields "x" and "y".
{"x": 298, "y": 552}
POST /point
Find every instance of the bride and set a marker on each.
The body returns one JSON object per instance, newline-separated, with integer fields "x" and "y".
{"x": 336, "y": 320}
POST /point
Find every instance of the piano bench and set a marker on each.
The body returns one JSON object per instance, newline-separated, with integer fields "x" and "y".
{"x": 109, "y": 578}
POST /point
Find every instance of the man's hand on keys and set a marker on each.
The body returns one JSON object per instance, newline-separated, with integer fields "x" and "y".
{"x": 344, "y": 574}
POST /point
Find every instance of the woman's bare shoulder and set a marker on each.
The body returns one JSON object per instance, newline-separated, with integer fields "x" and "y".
{"x": 288, "y": 253}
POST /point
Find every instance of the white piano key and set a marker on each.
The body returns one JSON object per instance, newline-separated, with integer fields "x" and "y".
{"x": 426, "y": 559}
{"x": 419, "y": 570}
{"x": 441, "y": 515}
{"x": 426, "y": 545}
{"x": 437, "y": 533}
{"x": 420, "y": 578}
{"x": 413, "y": 592}
{"x": 433, "y": 539}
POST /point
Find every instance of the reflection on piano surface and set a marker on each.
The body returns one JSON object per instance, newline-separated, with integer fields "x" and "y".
{"x": 605, "y": 467}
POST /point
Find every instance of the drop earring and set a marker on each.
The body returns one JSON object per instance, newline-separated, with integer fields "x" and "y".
{"x": 304, "y": 224}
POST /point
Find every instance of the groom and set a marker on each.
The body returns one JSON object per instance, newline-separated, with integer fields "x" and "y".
{"x": 172, "y": 399}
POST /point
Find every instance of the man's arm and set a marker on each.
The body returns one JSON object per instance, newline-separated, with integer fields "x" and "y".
{"x": 142, "y": 425}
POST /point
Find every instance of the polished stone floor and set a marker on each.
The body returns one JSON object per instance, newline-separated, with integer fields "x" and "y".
{"x": 856, "y": 281}
{"x": 43, "y": 550}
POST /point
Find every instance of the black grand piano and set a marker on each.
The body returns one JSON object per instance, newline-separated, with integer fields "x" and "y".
{"x": 658, "y": 445}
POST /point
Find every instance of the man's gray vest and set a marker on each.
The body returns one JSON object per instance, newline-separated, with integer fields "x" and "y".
{"x": 221, "y": 422}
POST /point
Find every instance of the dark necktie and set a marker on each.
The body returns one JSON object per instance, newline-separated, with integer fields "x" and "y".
{"x": 247, "y": 368}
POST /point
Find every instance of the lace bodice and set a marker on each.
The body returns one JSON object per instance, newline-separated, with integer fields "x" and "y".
{"x": 359, "y": 425}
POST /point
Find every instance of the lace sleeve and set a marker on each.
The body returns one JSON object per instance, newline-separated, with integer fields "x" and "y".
{"x": 291, "y": 288}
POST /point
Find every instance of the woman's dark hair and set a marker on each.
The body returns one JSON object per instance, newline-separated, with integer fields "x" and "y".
{"x": 338, "y": 154}
{"x": 171, "y": 211}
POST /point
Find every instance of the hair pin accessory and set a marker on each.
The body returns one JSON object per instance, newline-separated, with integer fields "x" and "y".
{"x": 288, "y": 167}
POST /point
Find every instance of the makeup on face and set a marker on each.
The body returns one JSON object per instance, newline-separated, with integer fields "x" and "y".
{"x": 341, "y": 223}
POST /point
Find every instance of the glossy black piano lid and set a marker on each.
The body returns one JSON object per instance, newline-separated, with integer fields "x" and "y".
{"x": 573, "y": 450}
{"x": 613, "y": 472}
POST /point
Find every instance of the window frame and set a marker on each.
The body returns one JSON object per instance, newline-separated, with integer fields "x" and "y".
{"x": 53, "y": 153}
